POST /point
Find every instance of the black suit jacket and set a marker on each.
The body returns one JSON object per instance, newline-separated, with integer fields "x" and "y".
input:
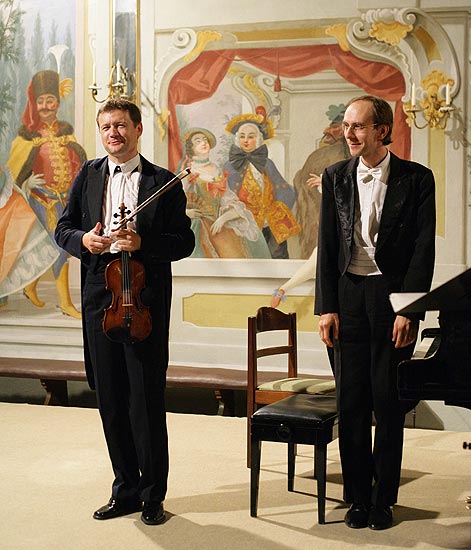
{"x": 405, "y": 249}
{"x": 163, "y": 226}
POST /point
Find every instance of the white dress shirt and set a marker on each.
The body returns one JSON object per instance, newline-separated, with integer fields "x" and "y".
{"x": 122, "y": 187}
{"x": 371, "y": 186}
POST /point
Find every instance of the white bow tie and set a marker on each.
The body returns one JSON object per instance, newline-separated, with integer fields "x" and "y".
{"x": 365, "y": 175}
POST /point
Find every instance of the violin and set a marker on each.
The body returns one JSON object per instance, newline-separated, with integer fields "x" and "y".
{"x": 126, "y": 320}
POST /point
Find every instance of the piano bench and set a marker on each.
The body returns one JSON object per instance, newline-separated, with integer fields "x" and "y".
{"x": 301, "y": 418}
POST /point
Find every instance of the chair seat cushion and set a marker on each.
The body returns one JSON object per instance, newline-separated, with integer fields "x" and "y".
{"x": 298, "y": 409}
{"x": 311, "y": 386}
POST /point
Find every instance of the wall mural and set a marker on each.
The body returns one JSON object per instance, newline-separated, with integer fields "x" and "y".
{"x": 211, "y": 80}
{"x": 224, "y": 125}
{"x": 39, "y": 154}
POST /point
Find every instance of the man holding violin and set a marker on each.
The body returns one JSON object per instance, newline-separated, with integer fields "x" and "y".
{"x": 128, "y": 373}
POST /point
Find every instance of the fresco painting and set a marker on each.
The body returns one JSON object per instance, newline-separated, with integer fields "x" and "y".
{"x": 39, "y": 153}
{"x": 203, "y": 94}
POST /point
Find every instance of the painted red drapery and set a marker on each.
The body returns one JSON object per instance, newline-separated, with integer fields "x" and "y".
{"x": 201, "y": 78}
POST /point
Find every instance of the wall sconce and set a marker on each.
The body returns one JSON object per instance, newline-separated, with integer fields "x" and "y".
{"x": 124, "y": 24}
{"x": 121, "y": 84}
{"x": 434, "y": 102}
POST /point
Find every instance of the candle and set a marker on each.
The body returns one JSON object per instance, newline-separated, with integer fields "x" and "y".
{"x": 94, "y": 74}
{"x": 413, "y": 95}
{"x": 447, "y": 94}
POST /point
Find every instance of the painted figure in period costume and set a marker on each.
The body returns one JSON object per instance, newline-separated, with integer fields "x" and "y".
{"x": 223, "y": 226}
{"x": 258, "y": 183}
{"x": 26, "y": 249}
{"x": 44, "y": 160}
{"x": 332, "y": 148}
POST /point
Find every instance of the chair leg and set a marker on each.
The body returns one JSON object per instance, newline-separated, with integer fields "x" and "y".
{"x": 256, "y": 449}
{"x": 249, "y": 442}
{"x": 320, "y": 467}
{"x": 291, "y": 465}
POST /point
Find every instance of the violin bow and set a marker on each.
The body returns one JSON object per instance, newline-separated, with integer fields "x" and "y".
{"x": 152, "y": 198}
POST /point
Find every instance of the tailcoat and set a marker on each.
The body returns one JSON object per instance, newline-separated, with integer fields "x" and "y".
{"x": 365, "y": 357}
{"x": 129, "y": 378}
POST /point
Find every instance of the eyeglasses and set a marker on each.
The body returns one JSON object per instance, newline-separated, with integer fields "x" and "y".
{"x": 356, "y": 127}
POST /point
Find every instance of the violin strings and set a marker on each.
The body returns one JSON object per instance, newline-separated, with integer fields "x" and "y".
{"x": 126, "y": 281}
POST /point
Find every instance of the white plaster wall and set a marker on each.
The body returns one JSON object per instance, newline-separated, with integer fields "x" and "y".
{"x": 452, "y": 250}
{"x": 207, "y": 13}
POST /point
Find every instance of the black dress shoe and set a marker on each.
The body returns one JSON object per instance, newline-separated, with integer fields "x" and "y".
{"x": 116, "y": 508}
{"x": 153, "y": 513}
{"x": 357, "y": 516}
{"x": 380, "y": 517}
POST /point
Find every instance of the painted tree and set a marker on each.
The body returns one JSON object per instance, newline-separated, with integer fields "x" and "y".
{"x": 52, "y": 40}
{"x": 37, "y": 46}
{"x": 10, "y": 18}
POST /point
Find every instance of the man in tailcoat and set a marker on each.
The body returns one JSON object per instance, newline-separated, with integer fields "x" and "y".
{"x": 376, "y": 236}
{"x": 129, "y": 378}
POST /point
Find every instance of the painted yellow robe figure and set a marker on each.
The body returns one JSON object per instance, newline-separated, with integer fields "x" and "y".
{"x": 258, "y": 183}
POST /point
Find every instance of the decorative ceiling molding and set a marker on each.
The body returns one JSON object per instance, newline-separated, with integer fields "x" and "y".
{"x": 411, "y": 41}
{"x": 186, "y": 46}
{"x": 406, "y": 38}
{"x": 184, "y": 41}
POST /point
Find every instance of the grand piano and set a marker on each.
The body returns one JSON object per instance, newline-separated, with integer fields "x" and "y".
{"x": 444, "y": 371}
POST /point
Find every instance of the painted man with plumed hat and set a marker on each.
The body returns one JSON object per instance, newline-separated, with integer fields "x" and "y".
{"x": 44, "y": 160}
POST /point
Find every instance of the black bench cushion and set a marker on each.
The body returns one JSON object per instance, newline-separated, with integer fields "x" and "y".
{"x": 299, "y": 409}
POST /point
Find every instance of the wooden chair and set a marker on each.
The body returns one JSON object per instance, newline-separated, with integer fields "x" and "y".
{"x": 269, "y": 319}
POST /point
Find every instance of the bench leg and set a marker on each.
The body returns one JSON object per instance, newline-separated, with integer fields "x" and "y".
{"x": 320, "y": 467}
{"x": 56, "y": 392}
{"x": 226, "y": 401}
{"x": 255, "y": 452}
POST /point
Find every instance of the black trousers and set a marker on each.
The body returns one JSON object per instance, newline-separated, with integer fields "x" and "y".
{"x": 130, "y": 386}
{"x": 366, "y": 377}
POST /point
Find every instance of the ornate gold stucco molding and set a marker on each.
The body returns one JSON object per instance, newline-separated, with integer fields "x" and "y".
{"x": 408, "y": 39}
{"x": 203, "y": 38}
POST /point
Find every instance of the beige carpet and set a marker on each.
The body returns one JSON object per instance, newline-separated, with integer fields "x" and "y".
{"x": 54, "y": 472}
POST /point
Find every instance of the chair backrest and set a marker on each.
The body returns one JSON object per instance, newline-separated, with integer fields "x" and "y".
{"x": 270, "y": 319}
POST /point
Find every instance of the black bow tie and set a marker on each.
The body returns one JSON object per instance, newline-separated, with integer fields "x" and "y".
{"x": 239, "y": 159}
{"x": 117, "y": 169}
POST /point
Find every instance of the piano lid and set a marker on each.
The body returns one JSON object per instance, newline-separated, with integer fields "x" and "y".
{"x": 454, "y": 295}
